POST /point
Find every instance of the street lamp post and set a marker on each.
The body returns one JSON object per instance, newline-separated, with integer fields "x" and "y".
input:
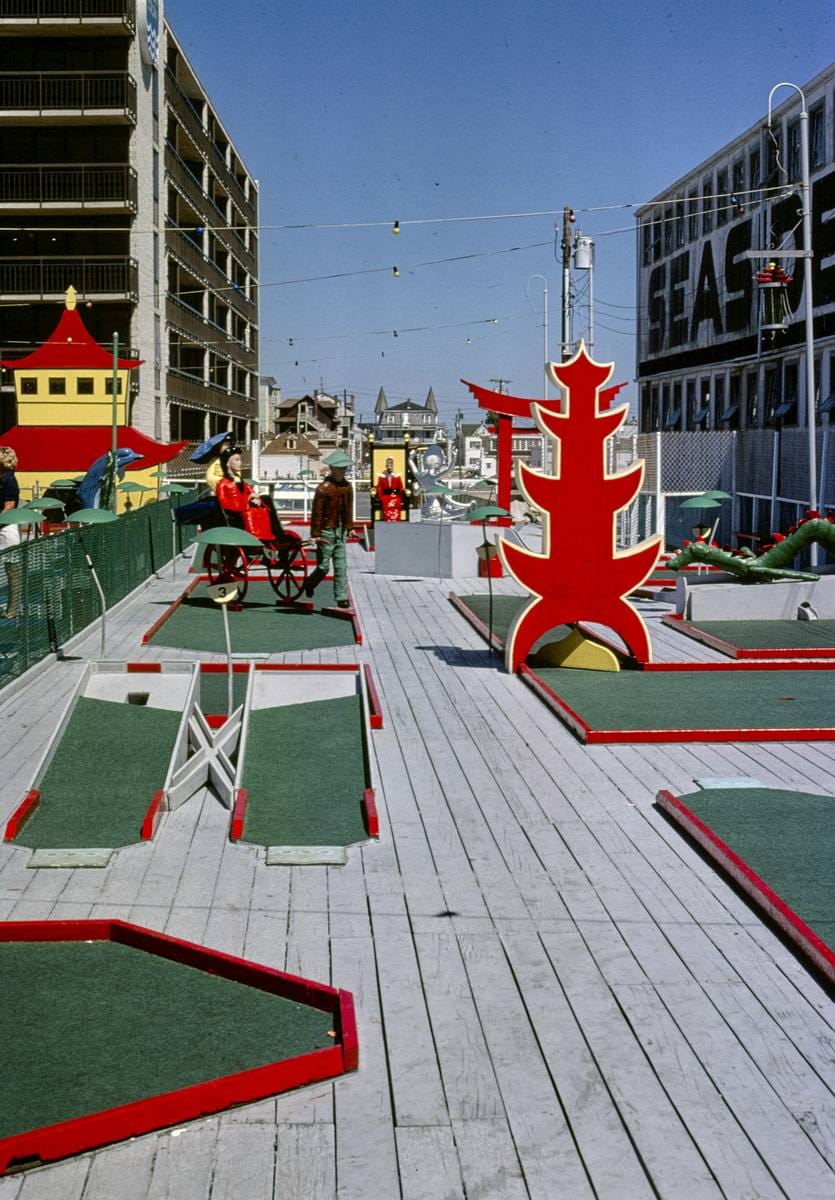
{"x": 806, "y": 211}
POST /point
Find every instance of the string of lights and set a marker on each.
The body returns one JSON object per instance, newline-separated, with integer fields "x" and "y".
{"x": 398, "y": 225}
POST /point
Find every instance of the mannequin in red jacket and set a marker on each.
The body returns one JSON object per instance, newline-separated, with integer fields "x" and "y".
{"x": 390, "y": 492}
{"x": 241, "y": 506}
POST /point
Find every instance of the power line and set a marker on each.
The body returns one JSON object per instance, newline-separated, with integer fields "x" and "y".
{"x": 258, "y": 229}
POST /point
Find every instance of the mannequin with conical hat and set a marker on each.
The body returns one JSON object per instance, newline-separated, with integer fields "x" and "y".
{"x": 331, "y": 521}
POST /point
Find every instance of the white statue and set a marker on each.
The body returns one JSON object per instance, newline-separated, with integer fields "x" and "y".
{"x": 433, "y": 469}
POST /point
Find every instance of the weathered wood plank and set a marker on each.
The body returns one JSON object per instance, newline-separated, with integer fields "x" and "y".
{"x": 543, "y": 1139}
{"x": 305, "y": 1162}
{"x": 429, "y": 1167}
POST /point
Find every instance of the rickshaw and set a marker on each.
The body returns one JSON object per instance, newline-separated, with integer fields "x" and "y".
{"x": 283, "y": 557}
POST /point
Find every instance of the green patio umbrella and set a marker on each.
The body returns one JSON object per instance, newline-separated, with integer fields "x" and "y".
{"x": 65, "y": 483}
{"x": 41, "y": 506}
{"x": 718, "y": 494}
{"x": 702, "y": 502}
{"x": 94, "y": 516}
{"x": 44, "y": 503}
{"x": 131, "y": 488}
{"x": 224, "y": 536}
{"x": 485, "y": 513}
{"x": 17, "y": 516}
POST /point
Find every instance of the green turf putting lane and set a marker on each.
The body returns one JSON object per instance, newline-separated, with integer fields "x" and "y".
{"x": 762, "y": 639}
{"x": 109, "y": 763}
{"x": 304, "y": 774}
{"x": 779, "y": 847}
{"x": 505, "y": 610}
{"x": 731, "y": 703}
{"x": 214, "y": 695}
{"x": 111, "y": 1031}
{"x": 261, "y": 626}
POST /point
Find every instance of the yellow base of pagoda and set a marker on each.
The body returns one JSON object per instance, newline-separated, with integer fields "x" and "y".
{"x": 577, "y": 651}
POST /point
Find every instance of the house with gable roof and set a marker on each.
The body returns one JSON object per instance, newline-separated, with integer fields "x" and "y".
{"x": 417, "y": 421}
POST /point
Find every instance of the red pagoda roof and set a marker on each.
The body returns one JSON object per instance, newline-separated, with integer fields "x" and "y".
{"x": 76, "y": 447}
{"x": 70, "y": 348}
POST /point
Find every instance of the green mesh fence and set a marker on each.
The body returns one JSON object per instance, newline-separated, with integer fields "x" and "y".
{"x": 54, "y": 594}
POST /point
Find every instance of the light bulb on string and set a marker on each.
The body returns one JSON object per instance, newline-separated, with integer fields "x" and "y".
{"x": 395, "y": 227}
{"x": 396, "y": 272}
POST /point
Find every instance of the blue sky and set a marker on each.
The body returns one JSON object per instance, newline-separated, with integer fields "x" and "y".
{"x": 360, "y": 111}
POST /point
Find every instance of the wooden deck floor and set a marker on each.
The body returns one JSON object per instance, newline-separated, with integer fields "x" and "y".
{"x": 557, "y": 997}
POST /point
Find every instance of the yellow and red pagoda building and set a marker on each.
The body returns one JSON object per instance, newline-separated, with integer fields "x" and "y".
{"x": 64, "y": 393}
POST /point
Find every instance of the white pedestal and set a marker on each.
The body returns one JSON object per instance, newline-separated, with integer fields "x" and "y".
{"x": 712, "y": 597}
{"x": 443, "y": 549}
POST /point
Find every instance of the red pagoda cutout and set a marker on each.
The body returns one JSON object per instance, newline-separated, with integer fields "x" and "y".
{"x": 580, "y": 574}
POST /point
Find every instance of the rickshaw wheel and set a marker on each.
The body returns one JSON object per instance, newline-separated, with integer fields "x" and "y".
{"x": 227, "y": 564}
{"x": 286, "y": 567}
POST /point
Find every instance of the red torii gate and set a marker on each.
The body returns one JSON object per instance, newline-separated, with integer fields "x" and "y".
{"x": 507, "y": 407}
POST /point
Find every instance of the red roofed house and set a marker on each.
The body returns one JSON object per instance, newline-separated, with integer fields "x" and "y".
{"x": 64, "y": 392}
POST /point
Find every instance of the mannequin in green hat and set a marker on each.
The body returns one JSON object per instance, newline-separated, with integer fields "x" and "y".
{"x": 330, "y": 523}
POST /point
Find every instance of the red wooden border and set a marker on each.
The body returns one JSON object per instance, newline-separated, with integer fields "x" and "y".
{"x": 752, "y": 884}
{"x": 375, "y": 715}
{"x": 152, "y": 817}
{"x": 304, "y": 666}
{"x": 369, "y": 808}
{"x": 674, "y": 621}
{"x": 478, "y": 625}
{"x": 747, "y": 665}
{"x": 348, "y": 1029}
{"x": 171, "y": 1108}
{"x": 236, "y": 827}
{"x": 21, "y": 814}
{"x": 629, "y": 736}
{"x": 160, "y": 621}
{"x": 555, "y": 703}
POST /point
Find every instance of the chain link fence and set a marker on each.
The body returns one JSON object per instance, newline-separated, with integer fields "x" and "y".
{"x": 47, "y": 581}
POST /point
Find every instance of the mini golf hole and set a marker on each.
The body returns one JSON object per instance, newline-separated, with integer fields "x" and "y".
{"x": 787, "y": 697}
{"x": 139, "y": 698}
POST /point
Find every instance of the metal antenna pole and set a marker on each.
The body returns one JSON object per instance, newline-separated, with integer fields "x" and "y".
{"x": 805, "y": 198}
{"x": 114, "y": 386}
{"x": 591, "y": 305}
{"x": 567, "y": 219}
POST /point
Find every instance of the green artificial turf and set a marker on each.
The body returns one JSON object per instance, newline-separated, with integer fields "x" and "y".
{"x": 505, "y": 609}
{"x": 788, "y": 838}
{"x": 772, "y": 635}
{"x": 213, "y": 691}
{"x": 92, "y": 1025}
{"x": 110, "y": 761}
{"x": 305, "y": 775}
{"x": 732, "y": 699}
{"x": 262, "y": 626}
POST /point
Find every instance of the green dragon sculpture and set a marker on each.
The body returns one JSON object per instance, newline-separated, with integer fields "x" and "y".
{"x": 770, "y": 563}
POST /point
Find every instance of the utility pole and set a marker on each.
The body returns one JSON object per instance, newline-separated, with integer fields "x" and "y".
{"x": 500, "y": 384}
{"x": 568, "y": 220}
